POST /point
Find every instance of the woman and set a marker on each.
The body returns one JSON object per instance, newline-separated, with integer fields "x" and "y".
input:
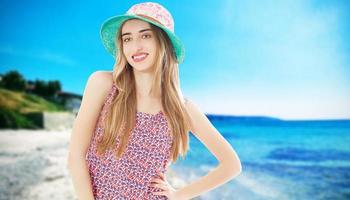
{"x": 141, "y": 99}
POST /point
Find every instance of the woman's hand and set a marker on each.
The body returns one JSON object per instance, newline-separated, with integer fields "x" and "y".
{"x": 164, "y": 185}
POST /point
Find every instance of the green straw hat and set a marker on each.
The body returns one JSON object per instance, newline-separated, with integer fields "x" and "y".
{"x": 150, "y": 12}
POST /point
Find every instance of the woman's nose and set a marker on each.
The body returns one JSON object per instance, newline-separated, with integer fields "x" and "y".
{"x": 137, "y": 45}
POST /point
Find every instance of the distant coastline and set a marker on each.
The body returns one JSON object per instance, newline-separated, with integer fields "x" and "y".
{"x": 267, "y": 121}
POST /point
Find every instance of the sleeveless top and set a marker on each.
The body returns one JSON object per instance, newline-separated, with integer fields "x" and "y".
{"x": 147, "y": 152}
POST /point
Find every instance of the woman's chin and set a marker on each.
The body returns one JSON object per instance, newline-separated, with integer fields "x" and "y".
{"x": 142, "y": 68}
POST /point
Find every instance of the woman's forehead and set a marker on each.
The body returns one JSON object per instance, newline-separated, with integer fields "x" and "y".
{"x": 135, "y": 25}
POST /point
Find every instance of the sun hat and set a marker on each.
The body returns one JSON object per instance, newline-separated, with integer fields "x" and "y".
{"x": 151, "y": 12}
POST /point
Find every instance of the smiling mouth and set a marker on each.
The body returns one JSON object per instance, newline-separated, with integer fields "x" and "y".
{"x": 139, "y": 58}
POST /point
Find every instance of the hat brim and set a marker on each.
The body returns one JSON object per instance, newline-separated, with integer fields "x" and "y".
{"x": 109, "y": 28}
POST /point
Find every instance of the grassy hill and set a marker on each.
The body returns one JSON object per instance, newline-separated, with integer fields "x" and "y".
{"x": 20, "y": 110}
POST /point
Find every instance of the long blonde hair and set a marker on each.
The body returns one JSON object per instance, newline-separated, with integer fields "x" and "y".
{"x": 123, "y": 106}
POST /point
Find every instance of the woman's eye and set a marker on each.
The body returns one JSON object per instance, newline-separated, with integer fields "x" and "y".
{"x": 126, "y": 39}
{"x": 147, "y": 35}
{"x": 143, "y": 36}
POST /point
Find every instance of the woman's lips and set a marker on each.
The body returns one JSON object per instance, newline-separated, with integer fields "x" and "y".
{"x": 139, "y": 57}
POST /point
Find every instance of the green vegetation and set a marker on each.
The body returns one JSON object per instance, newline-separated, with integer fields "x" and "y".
{"x": 19, "y": 109}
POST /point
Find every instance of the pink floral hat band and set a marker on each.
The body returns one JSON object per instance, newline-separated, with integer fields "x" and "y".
{"x": 153, "y": 11}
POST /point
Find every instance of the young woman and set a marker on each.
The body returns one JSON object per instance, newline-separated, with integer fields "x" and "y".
{"x": 133, "y": 121}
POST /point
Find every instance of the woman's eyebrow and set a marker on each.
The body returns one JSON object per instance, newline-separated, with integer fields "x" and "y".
{"x": 143, "y": 30}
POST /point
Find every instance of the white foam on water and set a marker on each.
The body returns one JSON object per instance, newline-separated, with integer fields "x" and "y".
{"x": 262, "y": 189}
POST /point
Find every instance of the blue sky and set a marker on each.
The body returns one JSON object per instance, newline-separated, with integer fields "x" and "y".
{"x": 287, "y": 59}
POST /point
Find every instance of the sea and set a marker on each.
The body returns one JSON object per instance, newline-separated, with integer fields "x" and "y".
{"x": 281, "y": 159}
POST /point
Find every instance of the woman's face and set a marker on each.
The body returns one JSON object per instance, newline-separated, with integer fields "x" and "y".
{"x": 139, "y": 44}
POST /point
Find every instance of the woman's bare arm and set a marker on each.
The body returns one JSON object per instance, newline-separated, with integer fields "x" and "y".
{"x": 229, "y": 166}
{"x": 96, "y": 90}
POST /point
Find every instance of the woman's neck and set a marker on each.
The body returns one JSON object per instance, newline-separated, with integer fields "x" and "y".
{"x": 143, "y": 83}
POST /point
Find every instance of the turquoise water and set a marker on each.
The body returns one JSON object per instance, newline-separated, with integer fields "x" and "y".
{"x": 280, "y": 159}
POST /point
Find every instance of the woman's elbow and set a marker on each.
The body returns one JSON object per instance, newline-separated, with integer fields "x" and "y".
{"x": 69, "y": 161}
{"x": 74, "y": 158}
{"x": 234, "y": 166}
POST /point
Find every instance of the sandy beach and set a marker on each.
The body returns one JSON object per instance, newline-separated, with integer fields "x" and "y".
{"x": 34, "y": 166}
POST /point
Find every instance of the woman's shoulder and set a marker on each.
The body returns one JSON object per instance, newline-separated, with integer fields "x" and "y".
{"x": 99, "y": 83}
{"x": 102, "y": 79}
{"x": 104, "y": 75}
